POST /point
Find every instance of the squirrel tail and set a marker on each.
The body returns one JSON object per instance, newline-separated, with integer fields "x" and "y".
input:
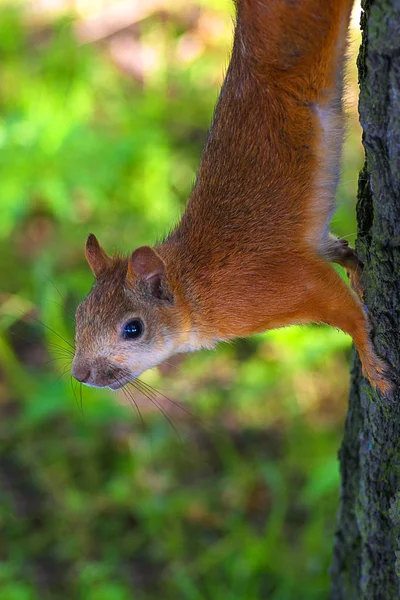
{"x": 294, "y": 41}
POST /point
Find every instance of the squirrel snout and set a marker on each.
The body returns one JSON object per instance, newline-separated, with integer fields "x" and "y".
{"x": 98, "y": 372}
{"x": 81, "y": 372}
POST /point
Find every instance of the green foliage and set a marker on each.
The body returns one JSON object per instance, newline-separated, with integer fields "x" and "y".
{"x": 94, "y": 504}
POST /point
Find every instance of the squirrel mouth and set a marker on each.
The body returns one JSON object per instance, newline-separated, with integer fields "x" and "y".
{"x": 117, "y": 385}
{"x": 121, "y": 382}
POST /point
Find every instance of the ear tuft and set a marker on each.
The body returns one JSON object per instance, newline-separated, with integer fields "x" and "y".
{"x": 97, "y": 258}
{"x": 144, "y": 263}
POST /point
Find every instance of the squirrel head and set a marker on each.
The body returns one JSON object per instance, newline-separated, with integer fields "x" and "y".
{"x": 130, "y": 321}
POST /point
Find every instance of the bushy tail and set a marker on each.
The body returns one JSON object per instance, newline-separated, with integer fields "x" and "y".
{"x": 299, "y": 40}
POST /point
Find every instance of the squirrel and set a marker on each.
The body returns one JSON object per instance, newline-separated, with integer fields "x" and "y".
{"x": 252, "y": 249}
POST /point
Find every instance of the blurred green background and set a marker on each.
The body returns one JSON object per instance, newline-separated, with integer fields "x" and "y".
{"x": 227, "y": 484}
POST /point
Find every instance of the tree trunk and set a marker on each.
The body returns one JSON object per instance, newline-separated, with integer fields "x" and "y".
{"x": 366, "y": 562}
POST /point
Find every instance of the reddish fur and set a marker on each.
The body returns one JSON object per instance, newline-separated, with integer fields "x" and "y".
{"x": 250, "y": 251}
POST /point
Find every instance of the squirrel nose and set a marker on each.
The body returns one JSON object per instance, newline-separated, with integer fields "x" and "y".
{"x": 81, "y": 373}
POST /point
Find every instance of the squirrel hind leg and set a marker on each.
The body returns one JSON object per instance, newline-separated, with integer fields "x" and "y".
{"x": 337, "y": 250}
{"x": 334, "y": 303}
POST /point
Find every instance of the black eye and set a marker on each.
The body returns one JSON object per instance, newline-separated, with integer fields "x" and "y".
{"x": 132, "y": 329}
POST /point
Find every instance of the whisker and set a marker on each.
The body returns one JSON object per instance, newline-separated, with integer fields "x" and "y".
{"x": 128, "y": 393}
{"x": 62, "y": 374}
{"x": 63, "y": 306}
{"x": 69, "y": 313}
{"x": 56, "y": 349}
{"x": 63, "y": 362}
{"x": 170, "y": 364}
{"x": 55, "y": 287}
{"x": 146, "y": 387}
{"x": 174, "y": 402}
{"x": 60, "y": 347}
{"x": 56, "y": 345}
{"x": 160, "y": 408}
{"x": 131, "y": 399}
{"x": 73, "y": 390}
{"x": 60, "y": 350}
{"x": 81, "y": 396}
{"x": 50, "y": 329}
{"x": 58, "y": 359}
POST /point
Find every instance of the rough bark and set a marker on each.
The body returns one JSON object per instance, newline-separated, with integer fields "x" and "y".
{"x": 366, "y": 563}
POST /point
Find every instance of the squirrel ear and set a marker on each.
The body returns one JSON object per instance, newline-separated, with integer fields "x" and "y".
{"x": 144, "y": 263}
{"x": 98, "y": 260}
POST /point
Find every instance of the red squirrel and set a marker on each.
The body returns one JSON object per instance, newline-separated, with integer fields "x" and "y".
{"x": 253, "y": 247}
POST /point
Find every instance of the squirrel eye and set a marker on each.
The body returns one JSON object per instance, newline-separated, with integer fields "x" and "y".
{"x": 132, "y": 329}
